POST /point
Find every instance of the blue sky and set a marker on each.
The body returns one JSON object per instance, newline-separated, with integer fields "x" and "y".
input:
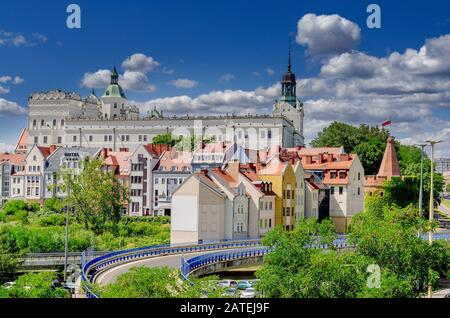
{"x": 228, "y": 47}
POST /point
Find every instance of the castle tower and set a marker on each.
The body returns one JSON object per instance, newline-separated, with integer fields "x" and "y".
{"x": 114, "y": 102}
{"x": 289, "y": 105}
{"x": 389, "y": 166}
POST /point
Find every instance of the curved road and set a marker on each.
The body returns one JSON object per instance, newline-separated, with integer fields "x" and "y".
{"x": 173, "y": 261}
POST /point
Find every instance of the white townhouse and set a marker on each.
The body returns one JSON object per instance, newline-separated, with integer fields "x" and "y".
{"x": 143, "y": 161}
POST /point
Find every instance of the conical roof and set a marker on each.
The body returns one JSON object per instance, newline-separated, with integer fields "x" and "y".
{"x": 389, "y": 166}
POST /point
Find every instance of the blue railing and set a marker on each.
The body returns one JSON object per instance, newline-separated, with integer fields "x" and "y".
{"x": 92, "y": 267}
{"x": 190, "y": 265}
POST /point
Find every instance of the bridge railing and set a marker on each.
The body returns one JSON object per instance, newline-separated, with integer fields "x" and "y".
{"x": 190, "y": 265}
{"x": 90, "y": 268}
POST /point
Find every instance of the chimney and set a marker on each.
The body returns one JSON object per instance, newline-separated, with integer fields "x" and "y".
{"x": 345, "y": 157}
{"x": 233, "y": 169}
{"x": 123, "y": 149}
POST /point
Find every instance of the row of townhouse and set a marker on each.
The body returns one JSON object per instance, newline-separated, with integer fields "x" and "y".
{"x": 245, "y": 200}
{"x": 218, "y": 191}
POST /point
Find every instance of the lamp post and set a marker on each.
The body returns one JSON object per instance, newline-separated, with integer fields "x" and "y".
{"x": 431, "y": 211}
{"x": 66, "y": 249}
{"x": 422, "y": 146}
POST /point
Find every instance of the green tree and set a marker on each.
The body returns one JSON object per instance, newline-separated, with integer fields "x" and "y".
{"x": 165, "y": 139}
{"x": 391, "y": 241}
{"x": 144, "y": 282}
{"x": 17, "y": 210}
{"x": 37, "y": 285}
{"x": 368, "y": 142}
{"x": 96, "y": 196}
{"x": 8, "y": 262}
{"x": 181, "y": 142}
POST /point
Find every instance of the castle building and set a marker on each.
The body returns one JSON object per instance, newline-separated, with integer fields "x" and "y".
{"x": 66, "y": 119}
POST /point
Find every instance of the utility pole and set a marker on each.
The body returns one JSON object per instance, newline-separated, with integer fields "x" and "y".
{"x": 431, "y": 211}
{"x": 66, "y": 250}
{"x": 422, "y": 146}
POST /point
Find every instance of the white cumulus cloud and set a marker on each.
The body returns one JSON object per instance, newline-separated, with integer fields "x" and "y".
{"x": 134, "y": 78}
{"x": 140, "y": 62}
{"x": 226, "y": 78}
{"x": 183, "y": 83}
{"x": 327, "y": 34}
{"x": 11, "y": 108}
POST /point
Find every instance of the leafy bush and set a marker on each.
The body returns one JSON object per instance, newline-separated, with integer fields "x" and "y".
{"x": 37, "y": 285}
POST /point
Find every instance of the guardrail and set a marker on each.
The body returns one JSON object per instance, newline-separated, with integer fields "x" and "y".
{"x": 189, "y": 266}
{"x": 93, "y": 267}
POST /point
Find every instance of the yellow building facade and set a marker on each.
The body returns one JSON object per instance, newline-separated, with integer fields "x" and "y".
{"x": 284, "y": 184}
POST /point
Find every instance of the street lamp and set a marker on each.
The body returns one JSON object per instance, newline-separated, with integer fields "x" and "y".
{"x": 66, "y": 243}
{"x": 431, "y": 211}
{"x": 422, "y": 146}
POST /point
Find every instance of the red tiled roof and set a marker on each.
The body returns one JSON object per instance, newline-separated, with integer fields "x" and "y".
{"x": 225, "y": 177}
{"x": 175, "y": 159}
{"x": 336, "y": 151}
{"x": 120, "y": 160}
{"x": 46, "y": 151}
{"x": 156, "y": 150}
{"x": 336, "y": 164}
{"x": 15, "y": 159}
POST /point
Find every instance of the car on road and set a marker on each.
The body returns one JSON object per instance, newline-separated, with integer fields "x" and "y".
{"x": 248, "y": 293}
{"x": 227, "y": 283}
{"x": 244, "y": 284}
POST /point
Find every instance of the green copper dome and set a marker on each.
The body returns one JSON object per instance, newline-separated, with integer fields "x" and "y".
{"x": 114, "y": 89}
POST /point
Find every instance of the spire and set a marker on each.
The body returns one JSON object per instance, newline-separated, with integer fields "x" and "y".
{"x": 389, "y": 166}
{"x": 288, "y": 83}
{"x": 114, "y": 76}
{"x": 289, "y": 63}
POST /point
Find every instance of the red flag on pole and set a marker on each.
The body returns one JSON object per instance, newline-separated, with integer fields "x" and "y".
{"x": 387, "y": 123}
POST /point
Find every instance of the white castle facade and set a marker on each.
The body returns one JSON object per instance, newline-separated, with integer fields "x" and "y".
{"x": 67, "y": 119}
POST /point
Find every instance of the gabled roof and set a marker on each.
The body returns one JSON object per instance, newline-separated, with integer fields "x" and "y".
{"x": 156, "y": 150}
{"x": 206, "y": 180}
{"x": 23, "y": 139}
{"x": 225, "y": 179}
{"x": 119, "y": 160}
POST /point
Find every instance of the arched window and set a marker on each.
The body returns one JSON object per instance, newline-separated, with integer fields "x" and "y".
{"x": 62, "y": 122}
{"x": 54, "y": 122}
{"x": 42, "y": 123}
